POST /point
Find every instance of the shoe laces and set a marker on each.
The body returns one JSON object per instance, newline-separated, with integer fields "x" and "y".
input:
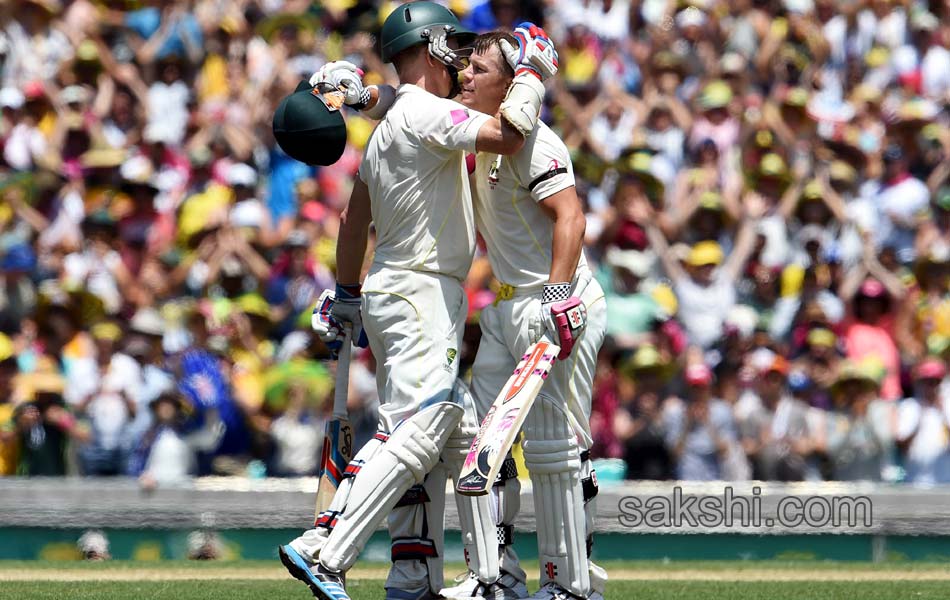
{"x": 463, "y": 577}
{"x": 556, "y": 591}
{"x": 328, "y": 575}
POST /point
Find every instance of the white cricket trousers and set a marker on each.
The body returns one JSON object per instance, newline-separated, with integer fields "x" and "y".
{"x": 414, "y": 322}
{"x": 557, "y": 436}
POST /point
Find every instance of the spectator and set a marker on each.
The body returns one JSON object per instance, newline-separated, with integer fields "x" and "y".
{"x": 858, "y": 434}
{"x": 868, "y": 332}
{"x": 705, "y": 288}
{"x": 902, "y": 203}
{"x": 146, "y": 330}
{"x": 700, "y": 430}
{"x": 756, "y": 176}
{"x": 820, "y": 364}
{"x": 167, "y": 454}
{"x": 922, "y": 425}
{"x": 772, "y": 424}
{"x": 103, "y": 389}
{"x": 44, "y": 426}
{"x": 298, "y": 434}
{"x": 926, "y": 311}
{"x": 632, "y": 308}
{"x": 638, "y": 424}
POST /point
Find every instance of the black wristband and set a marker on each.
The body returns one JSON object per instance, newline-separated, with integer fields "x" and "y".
{"x": 351, "y": 290}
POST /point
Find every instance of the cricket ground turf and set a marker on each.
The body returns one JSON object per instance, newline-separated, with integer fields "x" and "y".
{"x": 634, "y": 580}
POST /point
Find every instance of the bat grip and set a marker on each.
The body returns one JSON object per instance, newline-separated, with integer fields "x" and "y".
{"x": 341, "y": 389}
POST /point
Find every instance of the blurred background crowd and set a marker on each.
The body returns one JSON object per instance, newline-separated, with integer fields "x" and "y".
{"x": 766, "y": 185}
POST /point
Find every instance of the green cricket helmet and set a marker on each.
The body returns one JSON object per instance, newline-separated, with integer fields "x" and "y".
{"x": 308, "y": 129}
{"x": 423, "y": 22}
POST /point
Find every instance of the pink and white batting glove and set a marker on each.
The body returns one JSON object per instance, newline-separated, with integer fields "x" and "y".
{"x": 564, "y": 316}
{"x": 535, "y": 53}
{"x": 342, "y": 76}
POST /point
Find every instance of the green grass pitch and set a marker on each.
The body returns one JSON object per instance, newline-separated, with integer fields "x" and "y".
{"x": 175, "y": 580}
{"x": 373, "y": 590}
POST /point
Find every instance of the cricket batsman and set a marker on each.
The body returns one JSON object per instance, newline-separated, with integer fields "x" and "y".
{"x": 411, "y": 308}
{"x": 527, "y": 210}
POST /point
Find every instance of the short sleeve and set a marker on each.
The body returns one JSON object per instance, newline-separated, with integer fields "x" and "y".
{"x": 441, "y": 123}
{"x": 544, "y": 165}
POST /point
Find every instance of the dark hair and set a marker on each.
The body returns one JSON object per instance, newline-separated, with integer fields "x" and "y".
{"x": 485, "y": 41}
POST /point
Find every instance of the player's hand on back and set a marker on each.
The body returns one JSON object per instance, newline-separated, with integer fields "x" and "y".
{"x": 535, "y": 52}
{"x": 334, "y": 312}
{"x": 345, "y": 77}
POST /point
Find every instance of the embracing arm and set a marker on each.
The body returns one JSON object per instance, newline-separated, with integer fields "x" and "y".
{"x": 498, "y": 137}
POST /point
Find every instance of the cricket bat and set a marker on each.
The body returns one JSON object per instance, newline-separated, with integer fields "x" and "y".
{"x": 338, "y": 437}
{"x": 504, "y": 419}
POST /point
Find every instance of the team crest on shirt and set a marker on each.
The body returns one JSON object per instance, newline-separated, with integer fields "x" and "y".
{"x": 450, "y": 355}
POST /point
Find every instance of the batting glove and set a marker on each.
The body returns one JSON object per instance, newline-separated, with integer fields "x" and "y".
{"x": 564, "y": 316}
{"x": 535, "y": 53}
{"x": 342, "y": 76}
{"x": 334, "y": 312}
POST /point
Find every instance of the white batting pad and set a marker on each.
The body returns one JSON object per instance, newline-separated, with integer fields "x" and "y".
{"x": 553, "y": 460}
{"x": 412, "y": 451}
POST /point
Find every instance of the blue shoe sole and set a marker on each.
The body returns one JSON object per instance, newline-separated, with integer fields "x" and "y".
{"x": 298, "y": 567}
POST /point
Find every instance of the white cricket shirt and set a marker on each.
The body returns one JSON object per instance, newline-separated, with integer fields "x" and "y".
{"x": 518, "y": 232}
{"x": 414, "y": 167}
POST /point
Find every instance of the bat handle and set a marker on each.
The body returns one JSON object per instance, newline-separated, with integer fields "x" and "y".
{"x": 341, "y": 390}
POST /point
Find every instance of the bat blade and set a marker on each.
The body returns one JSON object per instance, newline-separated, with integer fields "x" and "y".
{"x": 338, "y": 438}
{"x": 337, "y": 452}
{"x": 504, "y": 419}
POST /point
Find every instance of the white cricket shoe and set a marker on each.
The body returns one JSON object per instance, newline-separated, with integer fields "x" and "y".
{"x": 552, "y": 591}
{"x": 506, "y": 588}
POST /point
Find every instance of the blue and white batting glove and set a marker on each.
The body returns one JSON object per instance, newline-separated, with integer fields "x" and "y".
{"x": 535, "y": 53}
{"x": 345, "y": 77}
{"x": 334, "y": 312}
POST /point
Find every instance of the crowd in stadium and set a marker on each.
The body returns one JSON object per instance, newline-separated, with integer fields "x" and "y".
{"x": 768, "y": 207}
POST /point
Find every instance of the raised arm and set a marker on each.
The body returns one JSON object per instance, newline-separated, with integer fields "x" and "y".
{"x": 645, "y": 216}
{"x": 755, "y": 207}
{"x": 833, "y": 200}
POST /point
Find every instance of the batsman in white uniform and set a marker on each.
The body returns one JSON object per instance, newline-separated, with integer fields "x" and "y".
{"x": 533, "y": 224}
{"x": 413, "y": 186}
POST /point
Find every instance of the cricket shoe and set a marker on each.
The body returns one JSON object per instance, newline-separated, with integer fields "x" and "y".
{"x": 423, "y": 593}
{"x": 506, "y": 588}
{"x": 323, "y": 584}
{"x": 552, "y": 591}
